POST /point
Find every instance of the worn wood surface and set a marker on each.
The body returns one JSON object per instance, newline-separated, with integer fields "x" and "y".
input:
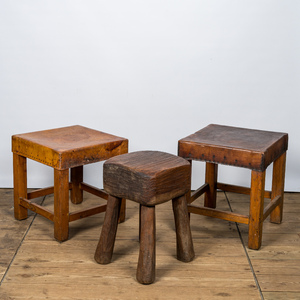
{"x": 147, "y": 177}
{"x": 241, "y": 147}
{"x": 68, "y": 147}
{"x": 41, "y": 268}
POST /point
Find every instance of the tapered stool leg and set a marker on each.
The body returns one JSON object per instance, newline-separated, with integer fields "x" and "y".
{"x": 122, "y": 211}
{"x": 76, "y": 179}
{"x": 106, "y": 243}
{"x": 211, "y": 176}
{"x": 20, "y": 185}
{"x": 61, "y": 204}
{"x": 256, "y": 209}
{"x": 278, "y": 187}
{"x": 185, "y": 248}
{"x": 146, "y": 264}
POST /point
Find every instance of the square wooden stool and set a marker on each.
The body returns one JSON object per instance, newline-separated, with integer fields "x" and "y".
{"x": 62, "y": 149}
{"x": 247, "y": 148}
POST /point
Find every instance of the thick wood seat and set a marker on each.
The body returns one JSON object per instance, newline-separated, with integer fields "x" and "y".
{"x": 62, "y": 149}
{"x": 149, "y": 178}
{"x": 247, "y": 148}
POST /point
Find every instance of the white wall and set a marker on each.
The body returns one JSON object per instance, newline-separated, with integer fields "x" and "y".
{"x": 151, "y": 71}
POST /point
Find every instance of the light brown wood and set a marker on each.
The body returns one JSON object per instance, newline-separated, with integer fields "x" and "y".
{"x": 62, "y": 149}
{"x": 37, "y": 209}
{"x": 20, "y": 185}
{"x": 214, "y": 213}
{"x": 40, "y": 267}
{"x": 238, "y": 189}
{"x": 61, "y": 204}
{"x": 76, "y": 180}
{"x": 278, "y": 187}
{"x": 256, "y": 209}
{"x": 68, "y": 147}
{"x": 271, "y": 206}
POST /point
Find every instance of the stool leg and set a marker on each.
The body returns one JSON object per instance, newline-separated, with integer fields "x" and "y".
{"x": 185, "y": 248}
{"x": 146, "y": 265}
{"x": 256, "y": 209}
{"x": 122, "y": 211}
{"x": 278, "y": 187}
{"x": 106, "y": 243}
{"x": 20, "y": 185}
{"x": 61, "y": 204}
{"x": 211, "y": 177}
{"x": 76, "y": 179}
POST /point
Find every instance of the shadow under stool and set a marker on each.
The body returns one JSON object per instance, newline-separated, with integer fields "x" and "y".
{"x": 148, "y": 178}
{"x": 246, "y": 148}
{"x": 62, "y": 149}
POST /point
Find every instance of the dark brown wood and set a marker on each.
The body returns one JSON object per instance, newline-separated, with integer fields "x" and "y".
{"x": 102, "y": 194}
{"x": 184, "y": 242}
{"x": 106, "y": 243}
{"x": 147, "y": 177}
{"x": 211, "y": 177}
{"x": 146, "y": 264}
{"x": 68, "y": 147}
{"x": 238, "y": 189}
{"x": 278, "y": 188}
{"x": 247, "y": 148}
{"x": 61, "y": 204}
{"x": 241, "y": 147}
{"x": 20, "y": 185}
{"x": 214, "y": 213}
{"x": 256, "y": 209}
{"x": 122, "y": 215}
{"x": 197, "y": 193}
{"x": 76, "y": 180}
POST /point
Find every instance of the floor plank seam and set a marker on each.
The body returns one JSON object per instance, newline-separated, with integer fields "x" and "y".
{"x": 21, "y": 242}
{"x": 246, "y": 252}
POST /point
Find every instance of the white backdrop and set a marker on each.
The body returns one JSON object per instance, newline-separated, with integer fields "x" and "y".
{"x": 150, "y": 71}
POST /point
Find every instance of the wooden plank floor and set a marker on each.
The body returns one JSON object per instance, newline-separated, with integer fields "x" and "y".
{"x": 34, "y": 266}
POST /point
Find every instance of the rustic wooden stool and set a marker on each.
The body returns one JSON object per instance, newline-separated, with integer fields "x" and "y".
{"x": 62, "y": 149}
{"x": 252, "y": 149}
{"x": 149, "y": 178}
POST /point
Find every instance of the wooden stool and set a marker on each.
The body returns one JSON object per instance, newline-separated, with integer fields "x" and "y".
{"x": 149, "y": 178}
{"x": 62, "y": 149}
{"x": 252, "y": 149}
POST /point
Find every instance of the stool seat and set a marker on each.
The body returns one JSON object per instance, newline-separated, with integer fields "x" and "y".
{"x": 62, "y": 149}
{"x": 149, "y": 178}
{"x": 240, "y": 147}
{"x": 68, "y": 147}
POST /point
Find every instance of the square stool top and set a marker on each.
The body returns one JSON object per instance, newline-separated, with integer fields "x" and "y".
{"x": 68, "y": 147}
{"x": 241, "y": 147}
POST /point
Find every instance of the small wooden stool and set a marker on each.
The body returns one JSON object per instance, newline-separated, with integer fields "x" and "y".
{"x": 149, "y": 178}
{"x": 62, "y": 149}
{"x": 252, "y": 149}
